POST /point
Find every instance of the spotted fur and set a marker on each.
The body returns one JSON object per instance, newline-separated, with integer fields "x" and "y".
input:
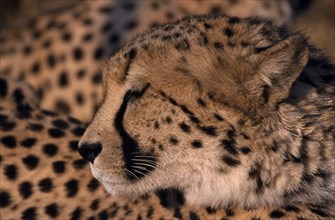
{"x": 59, "y": 53}
{"x": 230, "y": 111}
{"x": 43, "y": 177}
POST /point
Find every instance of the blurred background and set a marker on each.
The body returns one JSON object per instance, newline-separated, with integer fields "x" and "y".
{"x": 318, "y": 20}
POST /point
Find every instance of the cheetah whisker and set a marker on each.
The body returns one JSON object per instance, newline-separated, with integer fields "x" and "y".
{"x": 131, "y": 173}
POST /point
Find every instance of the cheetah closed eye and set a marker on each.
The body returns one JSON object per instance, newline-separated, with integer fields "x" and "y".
{"x": 227, "y": 110}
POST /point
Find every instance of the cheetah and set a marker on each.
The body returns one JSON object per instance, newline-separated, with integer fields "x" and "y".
{"x": 230, "y": 111}
{"x": 43, "y": 177}
{"x": 60, "y": 53}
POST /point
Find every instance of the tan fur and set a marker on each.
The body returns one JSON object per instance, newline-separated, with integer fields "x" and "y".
{"x": 91, "y": 203}
{"x": 83, "y": 76}
{"x": 255, "y": 80}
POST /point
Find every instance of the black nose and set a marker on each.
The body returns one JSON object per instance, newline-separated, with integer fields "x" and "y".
{"x": 90, "y": 151}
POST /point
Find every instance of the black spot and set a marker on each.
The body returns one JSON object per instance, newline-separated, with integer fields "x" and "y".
{"x": 156, "y": 125}
{"x": 60, "y": 123}
{"x": 79, "y": 164}
{"x": 47, "y": 44}
{"x": 216, "y": 9}
{"x": 107, "y": 26}
{"x": 62, "y": 107}
{"x": 45, "y": 185}
{"x": 229, "y": 146}
{"x": 114, "y": 38}
{"x": 50, "y": 149}
{"x": 3, "y": 87}
{"x": 265, "y": 94}
{"x": 87, "y": 37}
{"x": 228, "y": 32}
{"x": 169, "y": 15}
{"x": 63, "y": 79}
{"x": 230, "y": 161}
{"x": 130, "y": 25}
{"x": 155, "y": 5}
{"x": 218, "y": 45}
{"x": 168, "y": 120}
{"x": 78, "y": 131}
{"x": 185, "y": 127}
{"x": 4, "y": 199}
{"x": 29, "y": 214}
{"x": 182, "y": 45}
{"x": 209, "y": 130}
{"x": 319, "y": 212}
{"x": 9, "y": 141}
{"x": 196, "y": 144}
{"x": 173, "y": 140}
{"x": 97, "y": 78}
{"x": 73, "y": 145}
{"x": 230, "y": 212}
{"x": 81, "y": 73}
{"x": 35, "y": 68}
{"x": 99, "y": 53}
{"x": 94, "y": 204}
{"x": 7, "y": 125}
{"x": 71, "y": 188}
{"x": 74, "y": 120}
{"x": 194, "y": 216}
{"x": 18, "y": 95}
{"x": 51, "y": 210}
{"x": 67, "y": 37}
{"x": 55, "y": 133}
{"x": 76, "y": 214}
{"x": 245, "y": 150}
{"x": 46, "y": 112}
{"x": 128, "y": 6}
{"x": 150, "y": 212}
{"x": 27, "y": 50}
{"x": 87, "y": 21}
{"x": 106, "y": 10}
{"x": 103, "y": 215}
{"x": 58, "y": 166}
{"x": 277, "y": 214}
{"x": 28, "y": 142}
{"x": 201, "y": 102}
{"x": 177, "y": 213}
{"x": 30, "y": 161}
{"x": 35, "y": 127}
{"x": 207, "y": 26}
{"x": 255, "y": 173}
{"x": 234, "y": 20}
{"x": 218, "y": 117}
{"x": 132, "y": 54}
{"x": 24, "y": 111}
{"x": 36, "y": 34}
{"x": 25, "y": 189}
{"x": 171, "y": 198}
{"x": 292, "y": 208}
{"x": 211, "y": 210}
{"x": 78, "y": 54}
{"x": 79, "y": 98}
{"x": 10, "y": 172}
{"x": 51, "y": 61}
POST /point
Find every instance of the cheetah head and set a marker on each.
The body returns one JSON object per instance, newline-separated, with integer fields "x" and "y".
{"x": 192, "y": 106}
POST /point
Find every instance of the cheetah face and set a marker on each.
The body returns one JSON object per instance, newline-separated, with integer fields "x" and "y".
{"x": 142, "y": 140}
{"x": 215, "y": 117}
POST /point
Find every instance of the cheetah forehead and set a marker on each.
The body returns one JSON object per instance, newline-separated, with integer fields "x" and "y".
{"x": 186, "y": 56}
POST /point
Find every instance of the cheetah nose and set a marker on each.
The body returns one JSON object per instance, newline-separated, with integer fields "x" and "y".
{"x": 90, "y": 151}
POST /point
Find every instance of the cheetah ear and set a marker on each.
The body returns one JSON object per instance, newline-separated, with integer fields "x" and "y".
{"x": 275, "y": 70}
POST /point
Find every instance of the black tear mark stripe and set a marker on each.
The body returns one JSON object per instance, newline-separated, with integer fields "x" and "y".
{"x": 131, "y": 55}
{"x": 129, "y": 145}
